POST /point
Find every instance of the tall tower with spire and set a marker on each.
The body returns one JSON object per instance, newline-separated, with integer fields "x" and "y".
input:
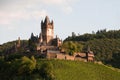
{"x": 47, "y": 31}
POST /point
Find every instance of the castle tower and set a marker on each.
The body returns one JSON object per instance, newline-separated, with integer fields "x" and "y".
{"x": 47, "y": 31}
{"x": 40, "y": 38}
{"x": 18, "y": 43}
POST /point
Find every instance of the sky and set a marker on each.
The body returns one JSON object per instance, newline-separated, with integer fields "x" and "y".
{"x": 19, "y": 18}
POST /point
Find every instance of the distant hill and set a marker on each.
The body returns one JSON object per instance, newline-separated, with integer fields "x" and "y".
{"x": 100, "y": 34}
{"x": 9, "y": 47}
{"x": 76, "y": 70}
{"x": 104, "y": 44}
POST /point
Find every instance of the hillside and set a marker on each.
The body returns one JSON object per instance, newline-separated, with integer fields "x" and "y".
{"x": 75, "y": 70}
{"x": 105, "y": 45}
{"x": 100, "y": 34}
{"x": 16, "y": 67}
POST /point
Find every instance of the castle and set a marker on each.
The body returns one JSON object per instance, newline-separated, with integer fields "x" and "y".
{"x": 46, "y": 40}
{"x": 46, "y": 46}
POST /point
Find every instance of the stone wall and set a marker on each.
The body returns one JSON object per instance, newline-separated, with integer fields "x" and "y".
{"x": 61, "y": 56}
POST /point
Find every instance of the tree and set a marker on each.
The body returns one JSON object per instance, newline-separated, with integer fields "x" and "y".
{"x": 71, "y": 47}
{"x": 46, "y": 71}
{"x": 27, "y": 65}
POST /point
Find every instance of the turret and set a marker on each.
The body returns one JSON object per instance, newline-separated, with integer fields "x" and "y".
{"x": 18, "y": 44}
{"x": 52, "y": 23}
{"x": 40, "y": 38}
{"x": 41, "y": 22}
{"x": 32, "y": 35}
{"x": 47, "y": 20}
{"x": 19, "y": 40}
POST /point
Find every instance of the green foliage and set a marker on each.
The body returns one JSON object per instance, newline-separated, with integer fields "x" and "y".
{"x": 17, "y": 68}
{"x": 115, "y": 60}
{"x": 46, "y": 71}
{"x": 100, "y": 34}
{"x": 54, "y": 70}
{"x": 13, "y": 57}
{"x": 25, "y": 68}
{"x": 71, "y": 47}
{"x": 105, "y": 50}
{"x": 27, "y": 65}
{"x": 9, "y": 47}
{"x": 104, "y": 44}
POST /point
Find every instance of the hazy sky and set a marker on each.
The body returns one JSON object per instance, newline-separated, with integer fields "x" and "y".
{"x": 19, "y": 18}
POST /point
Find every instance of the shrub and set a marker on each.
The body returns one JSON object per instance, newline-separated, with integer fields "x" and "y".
{"x": 27, "y": 65}
{"x": 46, "y": 71}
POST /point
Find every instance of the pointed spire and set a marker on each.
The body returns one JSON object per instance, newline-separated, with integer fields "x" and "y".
{"x": 47, "y": 19}
{"x": 18, "y": 40}
{"x": 52, "y": 22}
{"x": 40, "y": 37}
{"x": 41, "y": 21}
{"x": 32, "y": 35}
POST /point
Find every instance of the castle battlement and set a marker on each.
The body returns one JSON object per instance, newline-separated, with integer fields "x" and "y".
{"x": 46, "y": 36}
